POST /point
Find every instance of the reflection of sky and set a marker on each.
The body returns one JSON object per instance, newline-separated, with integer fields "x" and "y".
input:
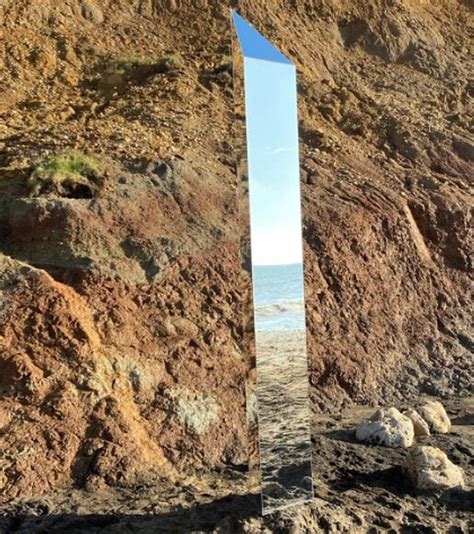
{"x": 253, "y": 44}
{"x": 272, "y": 140}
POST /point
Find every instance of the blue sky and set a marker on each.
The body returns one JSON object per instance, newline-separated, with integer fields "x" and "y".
{"x": 253, "y": 44}
{"x": 272, "y": 141}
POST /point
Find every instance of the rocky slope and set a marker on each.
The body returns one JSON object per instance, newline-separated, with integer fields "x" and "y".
{"x": 119, "y": 303}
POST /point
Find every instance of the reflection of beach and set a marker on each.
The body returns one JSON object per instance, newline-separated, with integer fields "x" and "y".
{"x": 284, "y": 433}
{"x": 285, "y": 315}
{"x": 295, "y": 305}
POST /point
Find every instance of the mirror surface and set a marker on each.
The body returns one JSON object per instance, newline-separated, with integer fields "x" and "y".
{"x": 277, "y": 271}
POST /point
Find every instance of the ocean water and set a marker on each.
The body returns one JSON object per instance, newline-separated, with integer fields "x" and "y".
{"x": 279, "y": 297}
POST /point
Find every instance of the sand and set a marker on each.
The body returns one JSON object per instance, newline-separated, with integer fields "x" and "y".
{"x": 284, "y": 431}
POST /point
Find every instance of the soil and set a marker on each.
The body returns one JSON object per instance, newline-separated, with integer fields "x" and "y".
{"x": 122, "y": 388}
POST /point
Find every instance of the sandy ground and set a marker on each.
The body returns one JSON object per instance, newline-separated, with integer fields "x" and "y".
{"x": 283, "y": 414}
{"x": 359, "y": 489}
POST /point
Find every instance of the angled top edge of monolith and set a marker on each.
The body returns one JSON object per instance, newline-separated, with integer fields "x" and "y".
{"x": 253, "y": 44}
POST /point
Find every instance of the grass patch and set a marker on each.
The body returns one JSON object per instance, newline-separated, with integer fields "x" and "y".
{"x": 71, "y": 175}
{"x": 127, "y": 65}
{"x": 170, "y": 62}
{"x": 70, "y": 163}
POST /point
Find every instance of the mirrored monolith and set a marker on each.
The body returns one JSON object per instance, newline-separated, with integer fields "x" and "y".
{"x": 270, "y": 214}
{"x": 247, "y": 337}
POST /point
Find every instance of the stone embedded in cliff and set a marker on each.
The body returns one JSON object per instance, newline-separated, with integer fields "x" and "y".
{"x": 5, "y": 418}
{"x": 464, "y": 148}
{"x": 430, "y": 469}
{"x": 92, "y": 12}
{"x": 165, "y": 328}
{"x": 435, "y": 415}
{"x": 403, "y": 140}
{"x": 184, "y": 327}
{"x": 166, "y": 5}
{"x": 419, "y": 424}
{"x": 387, "y": 427}
{"x": 195, "y": 412}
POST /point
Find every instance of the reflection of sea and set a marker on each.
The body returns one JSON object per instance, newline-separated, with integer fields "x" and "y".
{"x": 278, "y": 295}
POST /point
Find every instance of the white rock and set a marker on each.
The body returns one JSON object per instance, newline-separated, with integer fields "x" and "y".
{"x": 419, "y": 424}
{"x": 195, "y": 411}
{"x": 435, "y": 415}
{"x": 430, "y": 469}
{"x": 387, "y": 427}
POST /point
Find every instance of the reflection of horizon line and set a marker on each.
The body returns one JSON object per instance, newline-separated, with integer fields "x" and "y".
{"x": 278, "y": 330}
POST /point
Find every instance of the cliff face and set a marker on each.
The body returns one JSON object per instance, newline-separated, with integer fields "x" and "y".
{"x": 119, "y": 300}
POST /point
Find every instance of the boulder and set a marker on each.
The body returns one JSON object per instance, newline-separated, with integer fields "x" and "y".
{"x": 387, "y": 427}
{"x": 430, "y": 469}
{"x": 435, "y": 415}
{"x": 419, "y": 424}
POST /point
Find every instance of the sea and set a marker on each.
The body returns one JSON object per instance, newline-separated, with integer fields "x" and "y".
{"x": 279, "y": 297}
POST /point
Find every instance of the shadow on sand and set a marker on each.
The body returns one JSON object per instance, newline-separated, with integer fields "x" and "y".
{"x": 224, "y": 512}
{"x": 396, "y": 484}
